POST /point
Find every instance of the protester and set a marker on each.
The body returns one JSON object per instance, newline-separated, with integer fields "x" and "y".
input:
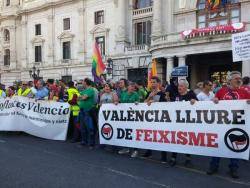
{"x": 108, "y": 96}
{"x": 156, "y": 95}
{"x": 141, "y": 90}
{"x": 10, "y": 91}
{"x": 121, "y": 88}
{"x": 42, "y": 92}
{"x": 172, "y": 89}
{"x": 206, "y": 94}
{"x": 216, "y": 86}
{"x": 246, "y": 84}
{"x": 199, "y": 88}
{"x": 74, "y": 125}
{"x": 130, "y": 96}
{"x": 2, "y": 93}
{"x": 183, "y": 95}
{"x": 232, "y": 92}
{"x": 86, "y": 104}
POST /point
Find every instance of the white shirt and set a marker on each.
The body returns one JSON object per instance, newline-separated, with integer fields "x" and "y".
{"x": 204, "y": 97}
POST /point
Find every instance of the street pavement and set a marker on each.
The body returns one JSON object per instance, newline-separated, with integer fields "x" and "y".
{"x": 27, "y": 162}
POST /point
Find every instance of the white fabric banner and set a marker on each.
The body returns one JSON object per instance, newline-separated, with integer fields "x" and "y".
{"x": 45, "y": 119}
{"x": 204, "y": 128}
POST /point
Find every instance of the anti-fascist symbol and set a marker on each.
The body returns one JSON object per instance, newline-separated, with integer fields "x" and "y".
{"x": 107, "y": 131}
{"x": 237, "y": 140}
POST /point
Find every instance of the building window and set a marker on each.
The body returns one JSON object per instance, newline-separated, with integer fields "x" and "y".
{"x": 38, "y": 54}
{"x": 6, "y": 57}
{"x": 224, "y": 13}
{"x": 101, "y": 43}
{"x": 99, "y": 17}
{"x": 66, "y": 50}
{"x": 143, "y": 33}
{"x": 139, "y": 4}
{"x": 6, "y": 34}
{"x": 38, "y": 29}
{"x": 66, "y": 24}
{"x": 7, "y": 3}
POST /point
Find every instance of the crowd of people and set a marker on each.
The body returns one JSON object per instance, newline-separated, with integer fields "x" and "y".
{"x": 85, "y": 98}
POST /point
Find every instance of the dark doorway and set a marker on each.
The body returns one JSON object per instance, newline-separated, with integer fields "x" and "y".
{"x": 211, "y": 66}
{"x": 138, "y": 74}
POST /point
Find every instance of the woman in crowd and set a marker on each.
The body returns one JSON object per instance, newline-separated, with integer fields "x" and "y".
{"x": 108, "y": 96}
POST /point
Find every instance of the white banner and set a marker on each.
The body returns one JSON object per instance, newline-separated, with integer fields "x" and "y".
{"x": 204, "y": 128}
{"x": 45, "y": 119}
{"x": 241, "y": 46}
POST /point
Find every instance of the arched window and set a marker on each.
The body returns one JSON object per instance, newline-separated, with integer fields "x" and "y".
{"x": 6, "y": 57}
{"x": 218, "y": 12}
{"x": 138, "y": 4}
{"x": 6, "y": 34}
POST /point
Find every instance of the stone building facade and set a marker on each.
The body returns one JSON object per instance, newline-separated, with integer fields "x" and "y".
{"x": 56, "y": 36}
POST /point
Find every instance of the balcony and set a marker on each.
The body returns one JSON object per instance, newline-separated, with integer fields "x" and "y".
{"x": 166, "y": 39}
{"x": 5, "y": 67}
{"x": 136, "y": 49}
{"x": 142, "y": 13}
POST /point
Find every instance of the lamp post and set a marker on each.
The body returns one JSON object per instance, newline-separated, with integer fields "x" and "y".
{"x": 110, "y": 67}
{"x": 34, "y": 73}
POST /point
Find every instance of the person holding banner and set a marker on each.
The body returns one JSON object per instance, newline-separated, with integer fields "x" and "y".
{"x": 10, "y": 91}
{"x": 42, "y": 92}
{"x": 156, "y": 95}
{"x": 129, "y": 97}
{"x": 183, "y": 95}
{"x": 232, "y": 92}
{"x": 206, "y": 94}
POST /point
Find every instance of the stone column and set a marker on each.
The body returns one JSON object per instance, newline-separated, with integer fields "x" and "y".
{"x": 181, "y": 61}
{"x": 13, "y": 58}
{"x": 121, "y": 20}
{"x": 50, "y": 40}
{"x": 170, "y": 66}
{"x": 246, "y": 68}
{"x": 24, "y": 54}
{"x": 157, "y": 18}
{"x": 170, "y": 17}
{"x": 81, "y": 37}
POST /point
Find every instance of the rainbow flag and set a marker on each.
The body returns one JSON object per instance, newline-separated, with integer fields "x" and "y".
{"x": 98, "y": 66}
{"x": 152, "y": 72}
{"x": 214, "y": 3}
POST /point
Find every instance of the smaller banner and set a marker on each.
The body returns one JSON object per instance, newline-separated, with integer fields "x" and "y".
{"x": 241, "y": 46}
{"x": 180, "y": 71}
{"x": 205, "y": 128}
{"x": 216, "y": 30}
{"x": 45, "y": 119}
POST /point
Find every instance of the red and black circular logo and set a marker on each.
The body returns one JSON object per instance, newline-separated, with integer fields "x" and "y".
{"x": 237, "y": 140}
{"x": 107, "y": 131}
